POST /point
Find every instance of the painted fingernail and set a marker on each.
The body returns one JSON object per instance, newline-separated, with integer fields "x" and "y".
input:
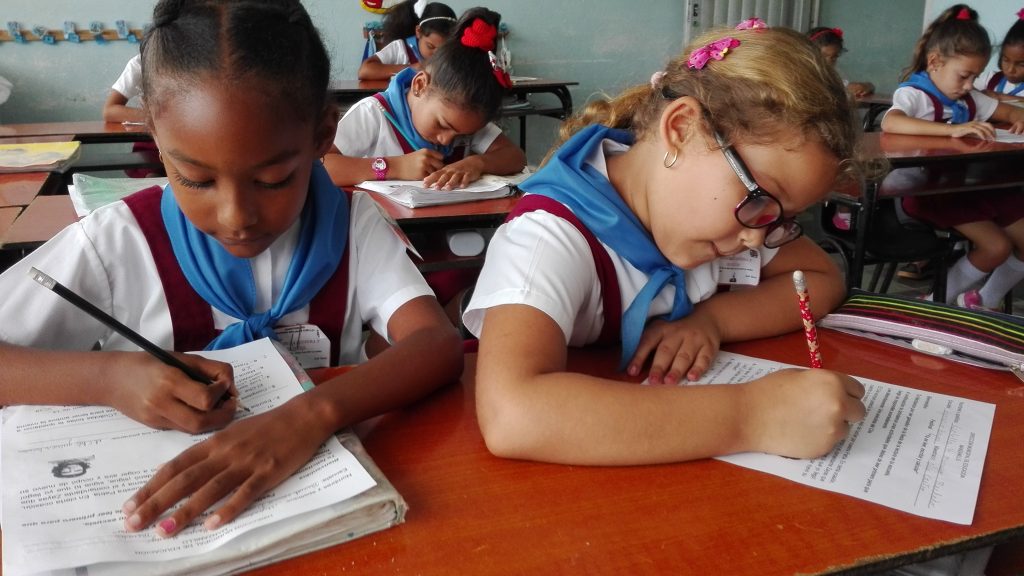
{"x": 633, "y": 370}
{"x": 129, "y": 507}
{"x": 134, "y": 522}
{"x": 212, "y": 523}
{"x": 166, "y": 527}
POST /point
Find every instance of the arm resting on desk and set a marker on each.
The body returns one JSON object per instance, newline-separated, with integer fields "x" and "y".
{"x": 502, "y": 157}
{"x": 115, "y": 109}
{"x": 896, "y": 121}
{"x": 373, "y": 69}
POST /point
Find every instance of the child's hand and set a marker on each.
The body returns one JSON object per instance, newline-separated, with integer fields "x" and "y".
{"x": 416, "y": 165}
{"x": 238, "y": 461}
{"x": 161, "y": 396}
{"x": 982, "y": 130}
{"x": 1017, "y": 127}
{"x": 683, "y": 347}
{"x": 456, "y": 175}
{"x": 801, "y": 413}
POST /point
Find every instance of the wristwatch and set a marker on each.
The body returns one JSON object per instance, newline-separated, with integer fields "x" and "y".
{"x": 380, "y": 168}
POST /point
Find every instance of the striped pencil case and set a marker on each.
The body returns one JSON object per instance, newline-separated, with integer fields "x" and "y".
{"x": 988, "y": 339}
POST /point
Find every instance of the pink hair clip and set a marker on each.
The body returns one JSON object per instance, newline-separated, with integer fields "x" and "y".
{"x": 963, "y": 14}
{"x": 1020, "y": 14}
{"x": 754, "y": 23}
{"x": 713, "y": 51}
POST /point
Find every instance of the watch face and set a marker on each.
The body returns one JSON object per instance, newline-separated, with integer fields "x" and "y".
{"x": 379, "y": 164}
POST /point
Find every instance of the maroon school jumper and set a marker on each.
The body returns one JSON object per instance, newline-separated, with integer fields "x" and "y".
{"x": 944, "y": 211}
{"x": 191, "y": 316}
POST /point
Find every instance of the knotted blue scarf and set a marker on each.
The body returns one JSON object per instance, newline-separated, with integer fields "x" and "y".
{"x": 569, "y": 179}
{"x": 1001, "y": 85}
{"x": 414, "y": 44}
{"x": 921, "y": 81}
{"x": 227, "y": 283}
{"x": 397, "y": 97}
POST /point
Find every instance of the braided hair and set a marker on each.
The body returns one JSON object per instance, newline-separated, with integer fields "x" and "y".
{"x": 273, "y": 41}
{"x": 462, "y": 69}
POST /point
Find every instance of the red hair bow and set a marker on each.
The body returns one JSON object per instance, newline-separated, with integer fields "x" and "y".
{"x": 963, "y": 14}
{"x": 480, "y": 35}
{"x": 1020, "y": 14}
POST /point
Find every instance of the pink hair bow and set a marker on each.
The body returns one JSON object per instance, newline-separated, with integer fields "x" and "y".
{"x": 1020, "y": 14}
{"x": 752, "y": 24}
{"x": 713, "y": 51}
{"x": 963, "y": 14}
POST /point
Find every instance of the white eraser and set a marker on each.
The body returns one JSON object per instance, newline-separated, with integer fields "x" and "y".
{"x": 466, "y": 242}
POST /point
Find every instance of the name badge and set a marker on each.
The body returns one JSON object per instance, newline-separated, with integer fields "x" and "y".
{"x": 308, "y": 344}
{"x": 743, "y": 269}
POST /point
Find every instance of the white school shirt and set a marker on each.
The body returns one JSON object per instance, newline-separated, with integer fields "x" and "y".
{"x": 916, "y": 104}
{"x": 393, "y": 53}
{"x": 981, "y": 83}
{"x": 105, "y": 258}
{"x": 129, "y": 83}
{"x": 543, "y": 261}
{"x": 364, "y": 132}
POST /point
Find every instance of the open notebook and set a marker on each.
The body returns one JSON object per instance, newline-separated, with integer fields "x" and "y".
{"x": 38, "y": 156}
{"x": 68, "y": 469}
{"x": 413, "y": 194}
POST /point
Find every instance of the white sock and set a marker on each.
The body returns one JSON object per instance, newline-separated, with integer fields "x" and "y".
{"x": 1002, "y": 280}
{"x": 960, "y": 278}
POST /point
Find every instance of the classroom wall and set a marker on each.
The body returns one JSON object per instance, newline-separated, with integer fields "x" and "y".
{"x": 879, "y": 37}
{"x": 604, "y": 44}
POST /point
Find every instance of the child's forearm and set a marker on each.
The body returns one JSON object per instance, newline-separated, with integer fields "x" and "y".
{"x": 348, "y": 170}
{"x": 903, "y": 124}
{"x": 34, "y": 376}
{"x": 503, "y": 158}
{"x": 377, "y": 70}
{"x": 400, "y": 375}
{"x": 123, "y": 113}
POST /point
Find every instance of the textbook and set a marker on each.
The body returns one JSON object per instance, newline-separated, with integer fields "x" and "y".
{"x": 413, "y": 194}
{"x": 67, "y": 470}
{"x": 38, "y": 156}
{"x": 980, "y": 338}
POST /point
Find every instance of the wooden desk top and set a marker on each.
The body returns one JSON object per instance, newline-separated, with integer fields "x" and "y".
{"x": 86, "y": 131}
{"x": 21, "y": 188}
{"x": 463, "y": 213}
{"x": 904, "y": 150}
{"x": 40, "y": 221}
{"x": 472, "y": 513}
{"x": 7, "y": 216}
{"x": 875, "y": 99}
{"x": 368, "y": 87}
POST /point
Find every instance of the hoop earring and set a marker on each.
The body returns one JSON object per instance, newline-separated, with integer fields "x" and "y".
{"x": 670, "y": 163}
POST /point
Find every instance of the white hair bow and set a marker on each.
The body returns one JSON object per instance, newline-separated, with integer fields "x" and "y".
{"x": 419, "y": 7}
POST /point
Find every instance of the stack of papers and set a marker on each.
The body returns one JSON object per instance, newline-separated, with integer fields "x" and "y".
{"x": 1009, "y": 137}
{"x": 89, "y": 192}
{"x": 38, "y": 156}
{"x": 414, "y": 194}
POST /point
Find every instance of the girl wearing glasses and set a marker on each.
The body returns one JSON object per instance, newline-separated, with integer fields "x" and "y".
{"x": 653, "y": 202}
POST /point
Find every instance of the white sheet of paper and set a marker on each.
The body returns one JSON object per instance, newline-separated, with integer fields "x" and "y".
{"x": 915, "y": 451}
{"x": 68, "y": 470}
{"x": 1008, "y": 137}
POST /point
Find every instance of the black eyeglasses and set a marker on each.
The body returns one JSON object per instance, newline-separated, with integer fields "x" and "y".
{"x": 759, "y": 209}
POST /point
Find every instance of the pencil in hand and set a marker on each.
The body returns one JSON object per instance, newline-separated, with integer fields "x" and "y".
{"x": 811, "y": 333}
{"x": 133, "y": 336}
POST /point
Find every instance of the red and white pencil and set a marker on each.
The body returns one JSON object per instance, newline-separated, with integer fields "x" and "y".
{"x": 805, "y": 314}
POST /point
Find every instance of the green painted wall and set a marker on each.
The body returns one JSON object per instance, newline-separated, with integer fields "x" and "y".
{"x": 606, "y": 45}
{"x": 879, "y": 36}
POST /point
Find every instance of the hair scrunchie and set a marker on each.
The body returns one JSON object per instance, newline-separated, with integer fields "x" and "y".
{"x": 480, "y": 35}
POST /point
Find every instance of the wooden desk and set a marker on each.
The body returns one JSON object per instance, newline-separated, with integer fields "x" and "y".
{"x": 39, "y": 222}
{"x": 351, "y": 91}
{"x": 427, "y": 227}
{"x": 90, "y": 131}
{"x": 19, "y": 189}
{"x": 95, "y": 158}
{"x": 923, "y": 165}
{"x": 472, "y": 513}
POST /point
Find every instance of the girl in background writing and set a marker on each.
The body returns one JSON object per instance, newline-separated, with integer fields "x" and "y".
{"x": 413, "y": 31}
{"x": 830, "y": 42}
{"x": 127, "y": 86}
{"x": 250, "y": 237}
{"x": 434, "y": 124}
{"x": 625, "y": 236}
{"x": 1007, "y": 83}
{"x": 938, "y": 98}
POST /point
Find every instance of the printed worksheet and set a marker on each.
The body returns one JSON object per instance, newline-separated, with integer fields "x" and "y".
{"x": 68, "y": 470}
{"x": 915, "y": 451}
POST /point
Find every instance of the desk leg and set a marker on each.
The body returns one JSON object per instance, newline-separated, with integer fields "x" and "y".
{"x": 522, "y": 133}
{"x": 855, "y": 275}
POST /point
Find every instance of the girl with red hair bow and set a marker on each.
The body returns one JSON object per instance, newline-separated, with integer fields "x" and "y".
{"x": 434, "y": 124}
